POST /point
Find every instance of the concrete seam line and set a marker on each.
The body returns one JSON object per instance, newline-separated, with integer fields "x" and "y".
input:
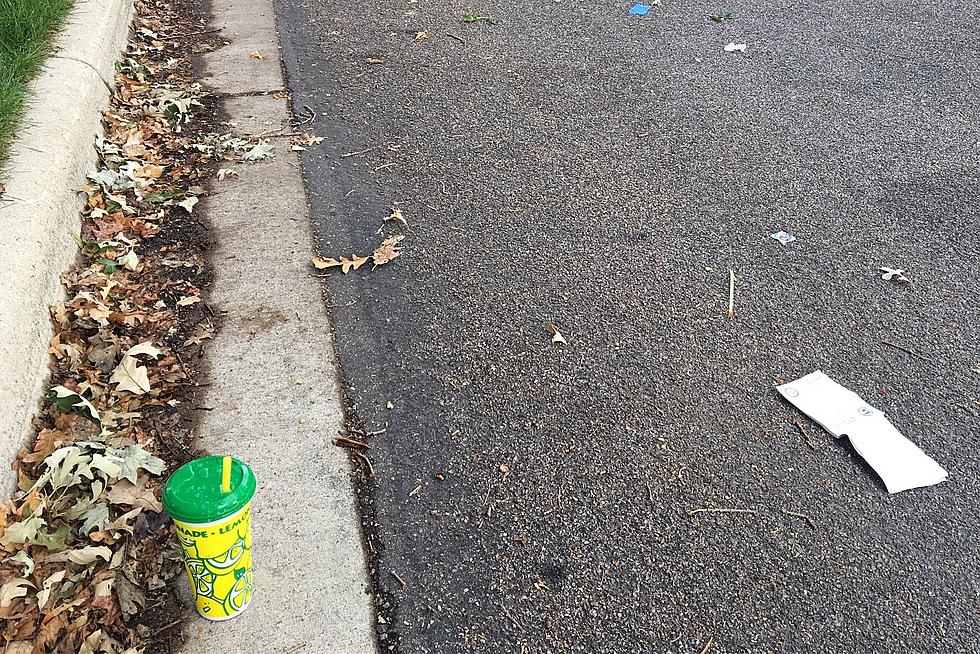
{"x": 49, "y": 160}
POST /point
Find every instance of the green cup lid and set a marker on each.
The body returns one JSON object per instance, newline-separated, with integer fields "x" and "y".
{"x": 193, "y": 493}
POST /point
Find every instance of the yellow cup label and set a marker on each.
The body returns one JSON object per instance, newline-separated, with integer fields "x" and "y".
{"x": 218, "y": 557}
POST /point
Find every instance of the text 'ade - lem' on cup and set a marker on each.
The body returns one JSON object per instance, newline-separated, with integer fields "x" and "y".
{"x": 210, "y": 502}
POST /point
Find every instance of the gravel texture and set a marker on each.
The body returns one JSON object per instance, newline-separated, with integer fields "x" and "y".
{"x": 576, "y": 165}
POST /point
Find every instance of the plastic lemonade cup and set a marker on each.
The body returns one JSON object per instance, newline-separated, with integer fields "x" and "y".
{"x": 210, "y": 502}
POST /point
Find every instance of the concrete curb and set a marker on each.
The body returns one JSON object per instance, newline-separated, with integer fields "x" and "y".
{"x": 48, "y": 163}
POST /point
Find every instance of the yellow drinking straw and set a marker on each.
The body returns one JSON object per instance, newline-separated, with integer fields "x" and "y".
{"x": 226, "y": 474}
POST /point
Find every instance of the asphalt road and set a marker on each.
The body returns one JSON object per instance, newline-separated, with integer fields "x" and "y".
{"x": 576, "y": 165}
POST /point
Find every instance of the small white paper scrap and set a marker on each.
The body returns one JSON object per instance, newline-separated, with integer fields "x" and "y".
{"x": 735, "y": 47}
{"x": 783, "y": 237}
{"x": 898, "y": 461}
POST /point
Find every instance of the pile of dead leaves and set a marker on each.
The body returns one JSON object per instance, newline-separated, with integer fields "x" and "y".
{"x": 84, "y": 541}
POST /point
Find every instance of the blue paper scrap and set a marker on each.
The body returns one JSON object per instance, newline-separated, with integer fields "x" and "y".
{"x": 640, "y": 10}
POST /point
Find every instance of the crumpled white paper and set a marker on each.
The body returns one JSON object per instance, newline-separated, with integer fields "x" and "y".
{"x": 898, "y": 461}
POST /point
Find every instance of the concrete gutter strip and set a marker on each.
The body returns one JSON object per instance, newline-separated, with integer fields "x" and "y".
{"x": 39, "y": 215}
{"x": 273, "y": 392}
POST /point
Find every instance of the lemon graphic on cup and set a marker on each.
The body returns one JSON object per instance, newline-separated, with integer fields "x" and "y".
{"x": 240, "y": 593}
{"x": 209, "y": 500}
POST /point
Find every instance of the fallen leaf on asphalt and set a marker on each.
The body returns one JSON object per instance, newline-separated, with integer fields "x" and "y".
{"x": 258, "y": 54}
{"x": 353, "y": 263}
{"x": 306, "y": 140}
{"x": 556, "y": 336}
{"x": 472, "y": 18}
{"x": 321, "y": 264}
{"x": 421, "y": 36}
{"x": 372, "y": 60}
{"x": 226, "y": 172}
{"x": 130, "y": 376}
{"x": 188, "y": 300}
{"x": 396, "y": 215}
{"x": 735, "y": 47}
{"x": 721, "y": 18}
{"x": 387, "y": 251}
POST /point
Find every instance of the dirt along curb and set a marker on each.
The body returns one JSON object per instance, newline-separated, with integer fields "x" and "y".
{"x": 273, "y": 399}
{"x": 39, "y": 218}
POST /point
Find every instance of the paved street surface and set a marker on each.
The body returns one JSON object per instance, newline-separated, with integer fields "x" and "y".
{"x": 576, "y": 165}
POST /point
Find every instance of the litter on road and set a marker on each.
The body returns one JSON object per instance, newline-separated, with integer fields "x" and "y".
{"x": 893, "y": 275}
{"x": 640, "y": 9}
{"x": 556, "y": 336}
{"x": 783, "y": 237}
{"x": 731, "y": 294}
{"x": 735, "y": 47}
{"x": 899, "y": 462}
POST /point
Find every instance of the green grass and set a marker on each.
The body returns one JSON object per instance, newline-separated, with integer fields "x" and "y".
{"x": 25, "y": 30}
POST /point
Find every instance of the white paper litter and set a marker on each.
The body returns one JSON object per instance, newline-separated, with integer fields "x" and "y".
{"x": 735, "y": 47}
{"x": 896, "y": 459}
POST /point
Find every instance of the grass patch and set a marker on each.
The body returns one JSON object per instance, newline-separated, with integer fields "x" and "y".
{"x": 25, "y": 31}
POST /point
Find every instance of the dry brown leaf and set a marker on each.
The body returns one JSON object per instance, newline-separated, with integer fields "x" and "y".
{"x": 372, "y": 60}
{"x": 556, "y": 336}
{"x": 353, "y": 263}
{"x": 396, "y": 215}
{"x": 421, "y": 36}
{"x": 387, "y": 251}
{"x": 258, "y": 54}
{"x": 127, "y": 494}
{"x": 320, "y": 263}
{"x": 130, "y": 376}
{"x": 149, "y": 171}
{"x": 306, "y": 140}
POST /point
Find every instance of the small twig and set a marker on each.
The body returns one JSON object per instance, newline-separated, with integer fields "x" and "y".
{"x": 354, "y": 154}
{"x": 181, "y": 362}
{"x": 806, "y": 436}
{"x": 906, "y": 350}
{"x": 707, "y": 646}
{"x": 383, "y": 166}
{"x": 731, "y": 294}
{"x": 511, "y": 618}
{"x": 458, "y": 38}
{"x": 180, "y": 36}
{"x": 800, "y": 515}
{"x": 367, "y": 463}
{"x": 696, "y": 511}
{"x": 401, "y": 582}
{"x": 166, "y": 627}
{"x": 298, "y": 647}
{"x": 487, "y": 497}
{"x": 274, "y": 132}
{"x": 343, "y": 440}
{"x": 650, "y": 494}
{"x": 203, "y": 408}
